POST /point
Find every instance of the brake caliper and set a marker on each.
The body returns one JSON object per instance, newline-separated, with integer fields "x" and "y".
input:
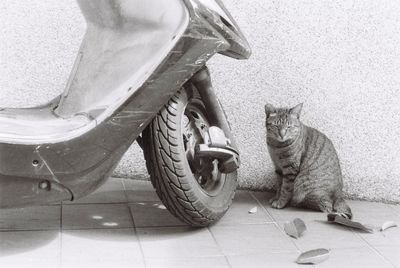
{"x": 218, "y": 147}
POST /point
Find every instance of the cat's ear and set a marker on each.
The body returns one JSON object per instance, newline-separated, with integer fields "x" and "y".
{"x": 269, "y": 108}
{"x": 297, "y": 110}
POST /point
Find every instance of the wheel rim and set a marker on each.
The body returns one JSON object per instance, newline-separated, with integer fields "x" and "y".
{"x": 205, "y": 171}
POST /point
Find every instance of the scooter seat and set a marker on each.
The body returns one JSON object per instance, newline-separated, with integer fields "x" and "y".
{"x": 38, "y": 125}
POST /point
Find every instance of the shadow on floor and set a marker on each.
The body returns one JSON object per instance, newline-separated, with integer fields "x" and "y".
{"x": 12, "y": 243}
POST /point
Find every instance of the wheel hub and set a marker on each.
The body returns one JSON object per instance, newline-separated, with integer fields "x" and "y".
{"x": 195, "y": 127}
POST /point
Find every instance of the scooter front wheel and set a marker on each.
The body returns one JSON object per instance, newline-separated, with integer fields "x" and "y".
{"x": 192, "y": 189}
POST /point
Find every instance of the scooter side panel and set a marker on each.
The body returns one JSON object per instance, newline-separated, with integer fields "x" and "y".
{"x": 125, "y": 42}
{"x": 81, "y": 164}
{"x": 20, "y": 192}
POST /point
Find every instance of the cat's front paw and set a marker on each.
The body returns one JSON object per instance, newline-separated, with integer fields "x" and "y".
{"x": 272, "y": 200}
{"x": 278, "y": 204}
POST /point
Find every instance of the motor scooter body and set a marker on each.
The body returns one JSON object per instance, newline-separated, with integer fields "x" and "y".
{"x": 135, "y": 56}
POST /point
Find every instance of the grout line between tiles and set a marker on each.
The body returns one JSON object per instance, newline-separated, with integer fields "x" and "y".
{"x": 137, "y": 236}
{"x": 137, "y": 227}
{"x": 374, "y": 249}
{"x": 95, "y": 228}
{"x": 34, "y": 230}
{"x": 276, "y": 223}
{"x": 61, "y": 236}
{"x": 111, "y": 203}
{"x": 95, "y": 203}
{"x": 126, "y": 194}
{"x": 219, "y": 246}
{"x": 227, "y": 261}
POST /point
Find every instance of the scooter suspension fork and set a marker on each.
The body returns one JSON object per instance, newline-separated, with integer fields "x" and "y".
{"x": 219, "y": 141}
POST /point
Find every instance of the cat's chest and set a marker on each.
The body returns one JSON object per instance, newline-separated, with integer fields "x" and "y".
{"x": 286, "y": 160}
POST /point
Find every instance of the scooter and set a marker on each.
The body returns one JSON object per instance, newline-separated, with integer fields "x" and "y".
{"x": 140, "y": 74}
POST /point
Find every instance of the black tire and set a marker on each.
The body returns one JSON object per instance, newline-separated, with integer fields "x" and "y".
{"x": 197, "y": 204}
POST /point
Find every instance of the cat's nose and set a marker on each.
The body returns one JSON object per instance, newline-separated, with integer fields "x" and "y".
{"x": 282, "y": 133}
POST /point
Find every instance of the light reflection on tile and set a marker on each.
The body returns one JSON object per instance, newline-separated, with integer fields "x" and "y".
{"x": 90, "y": 216}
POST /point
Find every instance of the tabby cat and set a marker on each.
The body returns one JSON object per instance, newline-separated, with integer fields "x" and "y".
{"x": 306, "y": 162}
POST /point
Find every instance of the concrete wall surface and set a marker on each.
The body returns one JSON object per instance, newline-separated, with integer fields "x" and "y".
{"x": 341, "y": 58}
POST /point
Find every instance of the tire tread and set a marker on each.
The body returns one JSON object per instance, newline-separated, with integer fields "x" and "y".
{"x": 167, "y": 172}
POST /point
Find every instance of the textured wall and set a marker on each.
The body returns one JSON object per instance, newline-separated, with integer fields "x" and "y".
{"x": 341, "y": 58}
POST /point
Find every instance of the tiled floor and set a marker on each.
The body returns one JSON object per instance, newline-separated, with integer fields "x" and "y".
{"x": 124, "y": 224}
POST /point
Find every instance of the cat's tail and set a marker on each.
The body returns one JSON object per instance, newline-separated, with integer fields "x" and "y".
{"x": 340, "y": 206}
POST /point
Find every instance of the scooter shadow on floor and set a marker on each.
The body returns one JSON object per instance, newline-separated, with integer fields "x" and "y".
{"x": 14, "y": 243}
{"x": 27, "y": 230}
{"x": 113, "y": 213}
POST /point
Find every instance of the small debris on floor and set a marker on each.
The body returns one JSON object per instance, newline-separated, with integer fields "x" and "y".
{"x": 161, "y": 207}
{"x": 253, "y": 210}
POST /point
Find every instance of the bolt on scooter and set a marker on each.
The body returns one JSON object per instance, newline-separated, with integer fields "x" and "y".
{"x": 140, "y": 74}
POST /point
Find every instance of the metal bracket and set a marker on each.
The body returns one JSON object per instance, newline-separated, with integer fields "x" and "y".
{"x": 217, "y": 146}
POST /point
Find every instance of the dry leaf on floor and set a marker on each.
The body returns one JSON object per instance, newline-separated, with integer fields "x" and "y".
{"x": 253, "y": 210}
{"x": 387, "y": 225}
{"x": 314, "y": 256}
{"x": 336, "y": 218}
{"x": 295, "y": 228}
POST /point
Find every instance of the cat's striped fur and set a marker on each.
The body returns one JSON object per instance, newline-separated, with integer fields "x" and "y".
{"x": 306, "y": 162}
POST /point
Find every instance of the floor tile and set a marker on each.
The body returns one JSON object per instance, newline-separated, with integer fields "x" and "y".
{"x": 31, "y": 218}
{"x": 113, "y": 247}
{"x": 111, "y": 192}
{"x": 290, "y": 213}
{"x": 30, "y": 249}
{"x": 372, "y": 213}
{"x": 267, "y": 259}
{"x": 396, "y": 208}
{"x": 390, "y": 237}
{"x": 391, "y": 253}
{"x": 140, "y": 191}
{"x": 238, "y": 213}
{"x": 327, "y": 235}
{"x": 96, "y": 216}
{"x": 263, "y": 197}
{"x": 251, "y": 239}
{"x": 214, "y": 262}
{"x": 175, "y": 242}
{"x": 355, "y": 257}
{"x": 153, "y": 214}
{"x": 99, "y": 231}
{"x": 103, "y": 264}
